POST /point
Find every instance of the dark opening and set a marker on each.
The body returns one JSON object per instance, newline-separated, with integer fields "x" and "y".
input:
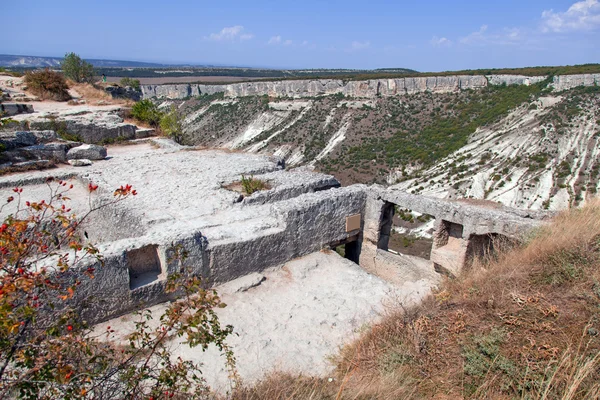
{"x": 386, "y": 226}
{"x": 349, "y": 249}
{"x": 485, "y": 247}
{"x": 407, "y": 232}
{"x": 144, "y": 266}
{"x": 447, "y": 233}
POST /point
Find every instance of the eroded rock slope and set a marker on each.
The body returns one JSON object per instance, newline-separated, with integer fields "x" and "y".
{"x": 524, "y": 141}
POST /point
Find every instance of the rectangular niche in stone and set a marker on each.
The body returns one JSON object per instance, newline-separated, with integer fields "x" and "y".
{"x": 144, "y": 266}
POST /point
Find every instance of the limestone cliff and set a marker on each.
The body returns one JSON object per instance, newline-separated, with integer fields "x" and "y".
{"x": 565, "y": 82}
{"x": 364, "y": 89}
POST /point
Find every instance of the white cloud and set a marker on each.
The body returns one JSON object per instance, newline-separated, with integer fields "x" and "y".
{"x": 230, "y": 34}
{"x": 440, "y": 41}
{"x": 581, "y": 16}
{"x": 277, "y": 40}
{"x": 478, "y": 36}
{"x": 356, "y": 45}
{"x": 507, "y": 36}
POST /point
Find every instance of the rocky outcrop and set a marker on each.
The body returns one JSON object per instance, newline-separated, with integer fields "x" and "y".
{"x": 88, "y": 126}
{"x": 8, "y": 109}
{"x": 143, "y": 133}
{"x": 80, "y": 163}
{"x": 13, "y": 140}
{"x": 51, "y": 151}
{"x": 26, "y": 148}
{"x": 87, "y": 152}
{"x": 514, "y": 79}
{"x": 565, "y": 82}
{"x": 118, "y": 92}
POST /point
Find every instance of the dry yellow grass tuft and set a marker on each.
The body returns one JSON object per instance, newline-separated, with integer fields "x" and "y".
{"x": 522, "y": 324}
{"x": 93, "y": 94}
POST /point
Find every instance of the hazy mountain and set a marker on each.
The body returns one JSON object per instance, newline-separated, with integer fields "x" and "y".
{"x": 7, "y": 60}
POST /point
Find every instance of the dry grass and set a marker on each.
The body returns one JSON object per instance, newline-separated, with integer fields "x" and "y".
{"x": 93, "y": 94}
{"x": 524, "y": 324}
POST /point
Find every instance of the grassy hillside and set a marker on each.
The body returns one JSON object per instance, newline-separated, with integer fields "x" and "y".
{"x": 525, "y": 324}
{"x": 444, "y": 132}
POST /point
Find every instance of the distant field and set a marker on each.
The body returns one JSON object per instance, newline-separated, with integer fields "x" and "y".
{"x": 187, "y": 79}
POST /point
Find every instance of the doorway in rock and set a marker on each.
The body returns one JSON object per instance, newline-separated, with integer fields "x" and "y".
{"x": 483, "y": 248}
{"x": 349, "y": 249}
{"x": 404, "y": 231}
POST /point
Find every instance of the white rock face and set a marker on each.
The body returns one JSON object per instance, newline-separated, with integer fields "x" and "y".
{"x": 514, "y": 79}
{"x": 87, "y": 151}
{"x": 297, "y": 317}
{"x": 564, "y": 82}
{"x": 310, "y": 88}
{"x": 80, "y": 163}
{"x": 365, "y": 89}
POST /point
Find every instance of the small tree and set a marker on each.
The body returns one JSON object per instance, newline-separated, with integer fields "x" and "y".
{"x": 76, "y": 69}
{"x": 47, "y": 351}
{"x": 134, "y": 83}
{"x": 170, "y": 124}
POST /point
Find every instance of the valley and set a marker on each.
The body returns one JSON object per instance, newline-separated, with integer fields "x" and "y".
{"x": 527, "y": 142}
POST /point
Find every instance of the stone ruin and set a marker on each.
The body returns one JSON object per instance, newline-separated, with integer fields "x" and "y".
{"x": 184, "y": 202}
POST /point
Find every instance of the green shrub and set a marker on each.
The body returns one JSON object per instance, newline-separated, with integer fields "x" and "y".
{"x": 77, "y": 69}
{"x": 134, "y": 83}
{"x": 146, "y": 111}
{"x": 4, "y": 71}
{"x": 47, "y": 84}
{"x": 170, "y": 124}
{"x": 251, "y": 185}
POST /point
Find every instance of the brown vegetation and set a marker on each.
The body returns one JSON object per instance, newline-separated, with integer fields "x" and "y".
{"x": 524, "y": 324}
{"x": 47, "y": 84}
{"x": 94, "y": 93}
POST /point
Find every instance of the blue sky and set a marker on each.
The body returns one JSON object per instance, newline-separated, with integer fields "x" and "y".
{"x": 426, "y": 35}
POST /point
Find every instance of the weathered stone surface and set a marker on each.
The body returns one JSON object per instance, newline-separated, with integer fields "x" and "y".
{"x": 88, "y": 124}
{"x": 143, "y": 133}
{"x": 181, "y": 201}
{"x": 13, "y": 140}
{"x": 118, "y": 92}
{"x": 244, "y": 283}
{"x": 34, "y": 163}
{"x": 45, "y": 136}
{"x": 87, "y": 151}
{"x": 514, "y": 79}
{"x": 459, "y": 227}
{"x": 294, "y": 318}
{"x": 289, "y": 184}
{"x": 9, "y": 109}
{"x": 80, "y": 163}
{"x": 564, "y": 82}
{"x": 50, "y": 151}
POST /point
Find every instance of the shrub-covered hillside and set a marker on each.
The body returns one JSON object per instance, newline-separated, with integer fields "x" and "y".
{"x": 520, "y": 145}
